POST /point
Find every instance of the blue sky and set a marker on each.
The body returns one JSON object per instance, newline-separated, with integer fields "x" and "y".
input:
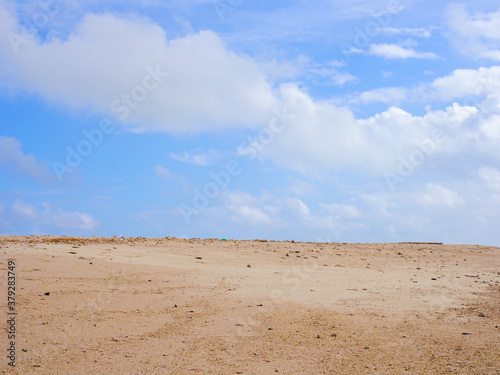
{"x": 361, "y": 121}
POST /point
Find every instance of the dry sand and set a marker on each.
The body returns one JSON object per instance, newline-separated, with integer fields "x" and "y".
{"x": 175, "y": 306}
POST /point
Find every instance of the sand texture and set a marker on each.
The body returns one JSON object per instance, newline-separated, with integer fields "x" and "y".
{"x": 176, "y": 306}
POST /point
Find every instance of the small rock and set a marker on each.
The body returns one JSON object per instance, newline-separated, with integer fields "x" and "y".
{"x": 482, "y": 315}
{"x": 466, "y": 333}
{"x": 318, "y": 336}
{"x": 248, "y": 265}
{"x": 47, "y": 294}
{"x": 198, "y": 258}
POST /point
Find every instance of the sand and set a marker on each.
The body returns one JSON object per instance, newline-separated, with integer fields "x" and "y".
{"x": 176, "y": 306}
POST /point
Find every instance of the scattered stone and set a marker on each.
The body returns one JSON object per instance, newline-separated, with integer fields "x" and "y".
{"x": 433, "y": 278}
{"x": 72, "y": 252}
{"x": 318, "y": 336}
{"x": 248, "y": 265}
{"x": 47, "y": 294}
{"x": 466, "y": 333}
{"x": 482, "y": 315}
{"x": 198, "y": 258}
{"x": 239, "y": 325}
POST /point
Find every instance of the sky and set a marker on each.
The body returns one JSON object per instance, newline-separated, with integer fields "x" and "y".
{"x": 328, "y": 121}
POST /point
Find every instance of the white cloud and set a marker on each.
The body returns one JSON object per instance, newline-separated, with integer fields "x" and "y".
{"x": 477, "y": 84}
{"x": 162, "y": 172}
{"x": 392, "y": 51}
{"x": 14, "y": 159}
{"x": 341, "y": 211}
{"x": 332, "y": 76}
{"x": 252, "y": 215}
{"x": 24, "y": 210}
{"x": 491, "y": 176}
{"x": 106, "y": 58}
{"x": 324, "y": 136}
{"x": 466, "y": 82}
{"x": 418, "y": 32}
{"x": 476, "y": 35}
{"x": 389, "y": 95}
{"x": 51, "y": 218}
{"x": 68, "y": 220}
{"x": 437, "y": 195}
{"x": 491, "y": 127}
{"x": 198, "y": 157}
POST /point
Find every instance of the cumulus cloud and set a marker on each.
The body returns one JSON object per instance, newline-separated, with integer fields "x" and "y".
{"x": 14, "y": 159}
{"x": 474, "y": 84}
{"x": 128, "y": 69}
{"x": 460, "y": 83}
{"x": 322, "y": 135}
{"x": 476, "y": 35}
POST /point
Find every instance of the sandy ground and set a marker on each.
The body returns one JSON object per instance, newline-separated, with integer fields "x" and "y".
{"x": 175, "y": 306}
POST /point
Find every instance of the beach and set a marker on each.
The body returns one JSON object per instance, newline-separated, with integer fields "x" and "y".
{"x": 210, "y": 306}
